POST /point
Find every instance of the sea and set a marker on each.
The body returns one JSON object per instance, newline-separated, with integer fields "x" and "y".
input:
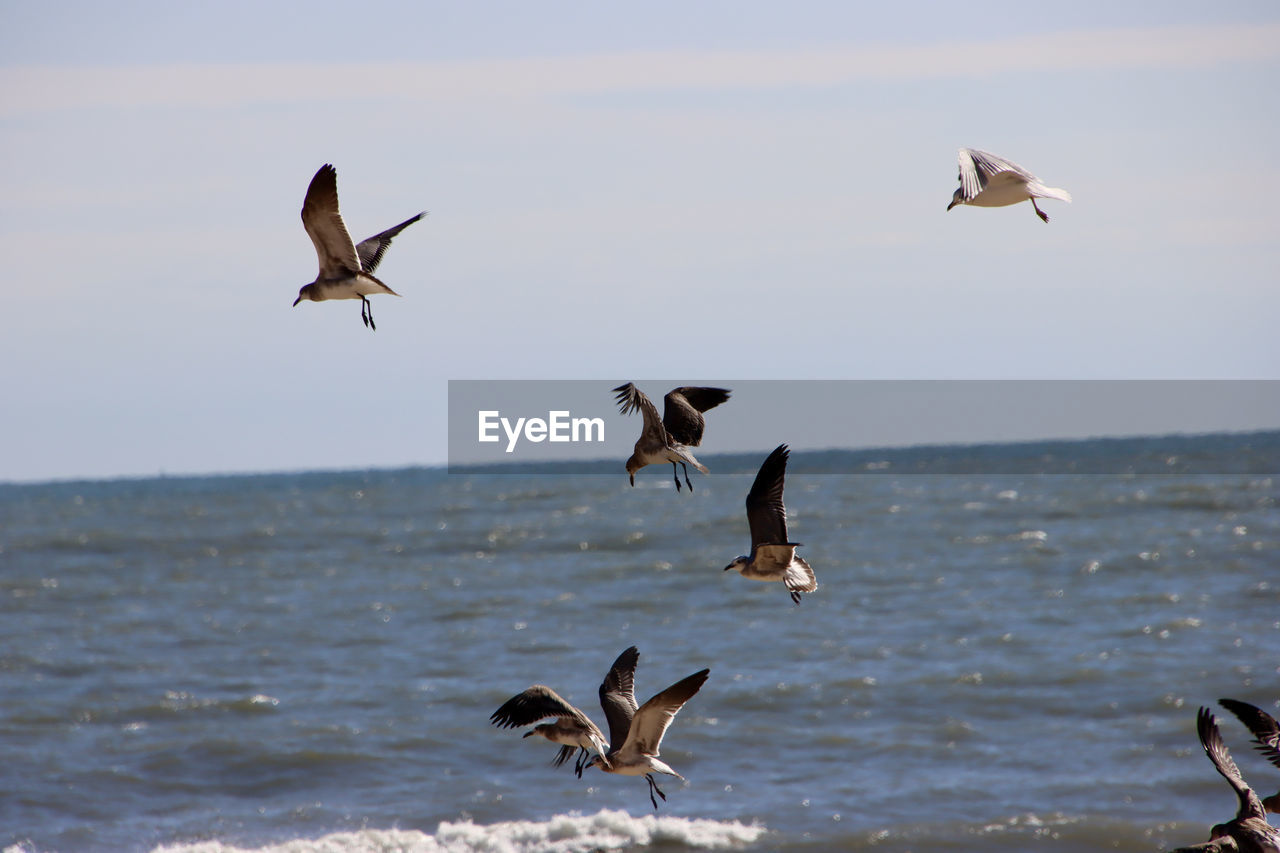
{"x": 1006, "y": 652}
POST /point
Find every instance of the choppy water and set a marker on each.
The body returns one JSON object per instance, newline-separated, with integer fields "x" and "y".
{"x": 994, "y": 662}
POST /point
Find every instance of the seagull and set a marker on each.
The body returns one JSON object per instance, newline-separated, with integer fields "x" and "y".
{"x": 773, "y": 558}
{"x": 635, "y": 734}
{"x": 572, "y": 728}
{"x": 990, "y": 181}
{"x": 1266, "y": 732}
{"x": 681, "y": 427}
{"x": 346, "y": 270}
{"x": 1249, "y": 832}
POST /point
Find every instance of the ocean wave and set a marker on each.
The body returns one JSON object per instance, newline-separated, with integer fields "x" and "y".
{"x": 571, "y": 833}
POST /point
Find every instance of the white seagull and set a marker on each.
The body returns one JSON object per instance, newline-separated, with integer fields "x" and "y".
{"x": 572, "y": 728}
{"x": 635, "y": 734}
{"x": 772, "y": 557}
{"x": 1249, "y": 832}
{"x": 668, "y": 439}
{"x": 346, "y": 269}
{"x": 990, "y": 181}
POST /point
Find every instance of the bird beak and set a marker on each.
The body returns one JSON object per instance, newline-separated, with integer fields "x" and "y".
{"x": 296, "y": 301}
{"x": 526, "y": 734}
{"x": 728, "y": 567}
{"x": 632, "y": 478}
{"x": 953, "y": 204}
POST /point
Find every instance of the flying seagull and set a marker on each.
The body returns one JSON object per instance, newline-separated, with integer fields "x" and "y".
{"x": 1249, "y": 832}
{"x": 346, "y": 270}
{"x": 681, "y": 427}
{"x": 572, "y": 729}
{"x": 635, "y": 734}
{"x": 1266, "y": 732}
{"x": 990, "y": 181}
{"x": 773, "y": 558}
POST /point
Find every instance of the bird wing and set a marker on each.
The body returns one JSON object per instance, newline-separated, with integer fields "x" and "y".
{"x": 766, "y": 515}
{"x": 1263, "y": 726}
{"x": 653, "y": 717}
{"x": 618, "y": 696}
{"x": 565, "y": 753}
{"x": 1211, "y": 740}
{"x": 630, "y": 399}
{"x": 537, "y": 703}
{"x": 682, "y": 410}
{"x": 371, "y": 250}
{"x": 800, "y": 576}
{"x": 977, "y": 168}
{"x": 324, "y": 225}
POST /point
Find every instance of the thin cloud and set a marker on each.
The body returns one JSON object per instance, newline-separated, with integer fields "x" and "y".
{"x": 37, "y": 89}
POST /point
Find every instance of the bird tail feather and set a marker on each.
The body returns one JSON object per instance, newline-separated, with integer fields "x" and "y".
{"x": 1041, "y": 191}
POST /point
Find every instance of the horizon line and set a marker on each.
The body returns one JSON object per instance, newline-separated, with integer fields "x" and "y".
{"x": 494, "y": 468}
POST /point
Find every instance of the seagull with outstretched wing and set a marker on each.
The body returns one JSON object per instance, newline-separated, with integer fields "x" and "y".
{"x": 668, "y": 439}
{"x": 1249, "y": 831}
{"x": 572, "y": 729}
{"x": 1266, "y": 734}
{"x": 773, "y": 557}
{"x": 346, "y": 269}
{"x": 635, "y": 734}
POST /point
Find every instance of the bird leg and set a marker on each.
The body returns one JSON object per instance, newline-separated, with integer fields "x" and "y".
{"x": 675, "y": 474}
{"x": 795, "y": 596}
{"x": 366, "y": 313}
{"x": 685, "y": 468}
{"x": 582, "y": 760}
{"x": 653, "y": 786}
{"x": 1039, "y": 212}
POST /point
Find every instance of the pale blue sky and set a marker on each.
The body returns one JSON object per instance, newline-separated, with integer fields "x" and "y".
{"x": 720, "y": 190}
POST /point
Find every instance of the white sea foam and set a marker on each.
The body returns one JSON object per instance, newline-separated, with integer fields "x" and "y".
{"x": 571, "y": 833}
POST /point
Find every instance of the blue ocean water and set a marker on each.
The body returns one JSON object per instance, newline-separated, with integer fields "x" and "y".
{"x": 994, "y": 661}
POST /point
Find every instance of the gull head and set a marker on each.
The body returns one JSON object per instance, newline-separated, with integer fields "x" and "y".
{"x": 956, "y": 199}
{"x": 738, "y": 564}
{"x": 633, "y": 465}
{"x": 304, "y": 293}
{"x": 596, "y": 761}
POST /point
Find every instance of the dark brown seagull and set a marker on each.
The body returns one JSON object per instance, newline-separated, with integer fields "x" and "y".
{"x": 346, "y": 270}
{"x": 668, "y": 439}
{"x": 773, "y": 557}
{"x": 1249, "y": 832}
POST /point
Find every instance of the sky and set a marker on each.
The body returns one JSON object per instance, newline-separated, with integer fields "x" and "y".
{"x": 732, "y": 191}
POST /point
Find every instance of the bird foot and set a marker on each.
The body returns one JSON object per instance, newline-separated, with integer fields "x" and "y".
{"x": 653, "y": 786}
{"x": 795, "y": 596}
